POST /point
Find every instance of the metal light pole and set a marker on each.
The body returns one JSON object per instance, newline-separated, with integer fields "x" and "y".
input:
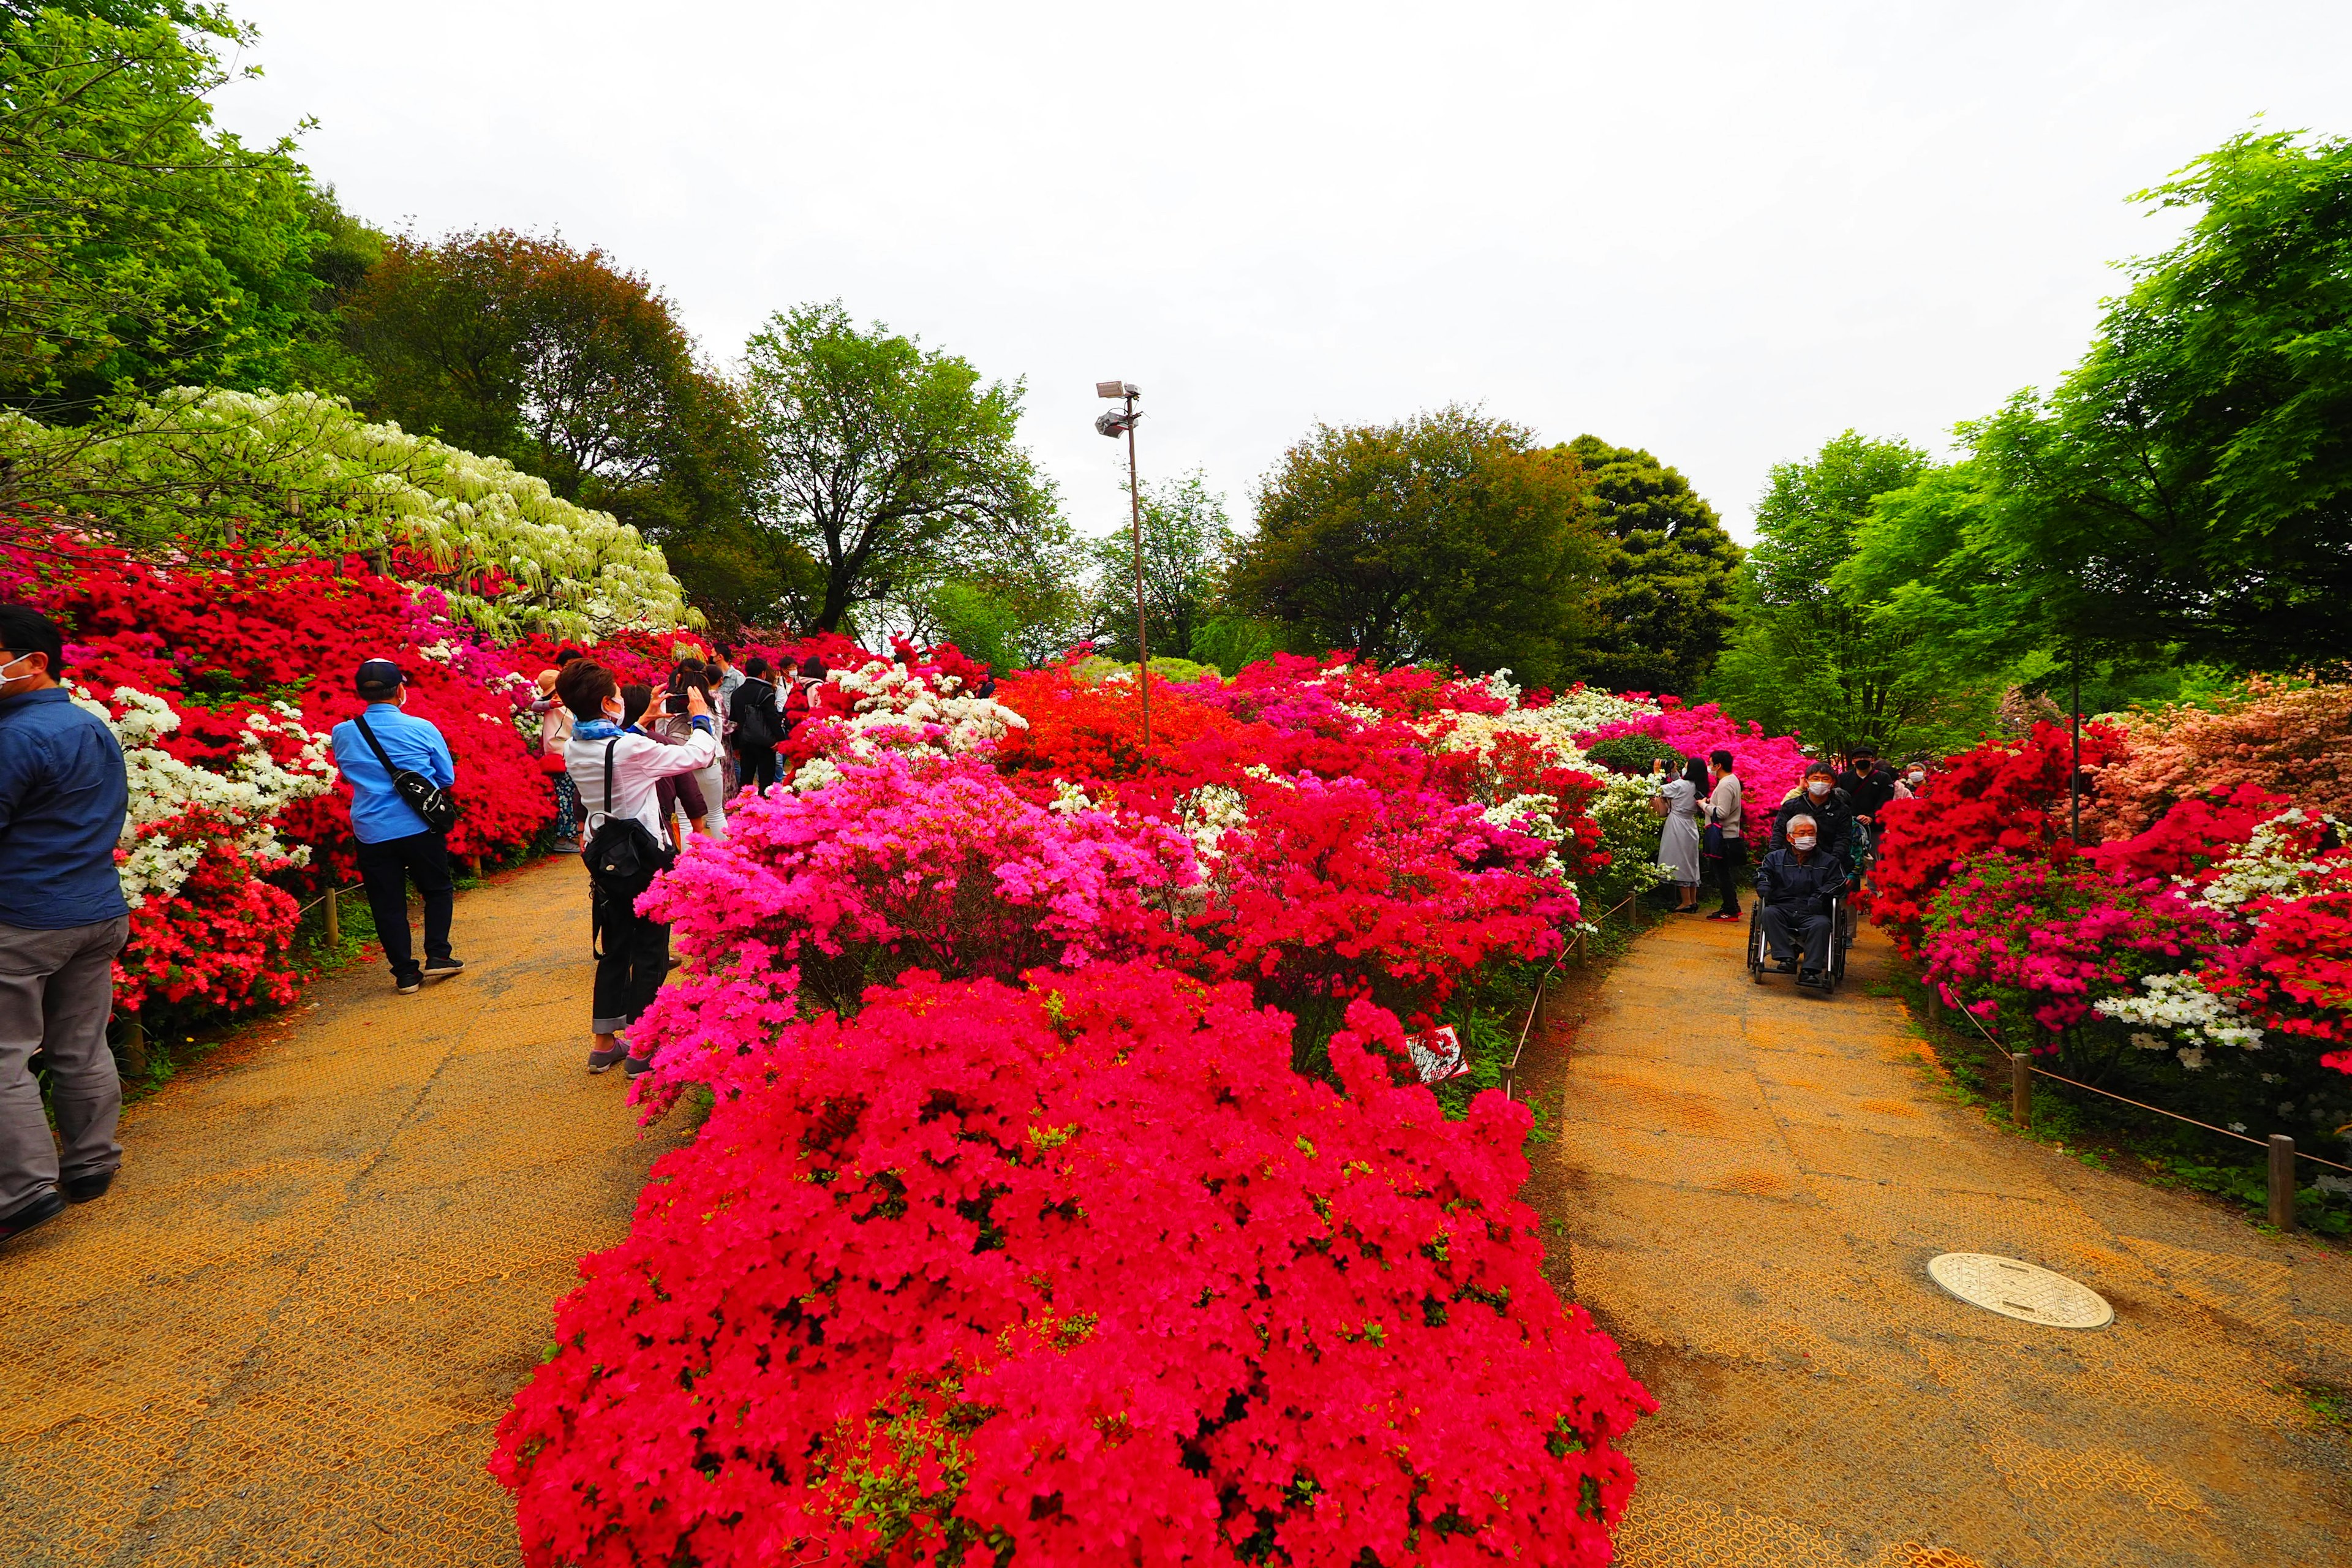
{"x": 1114, "y": 423}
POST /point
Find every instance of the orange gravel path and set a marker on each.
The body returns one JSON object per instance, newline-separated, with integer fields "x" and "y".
{"x": 1753, "y": 1181}
{"x": 285, "y": 1337}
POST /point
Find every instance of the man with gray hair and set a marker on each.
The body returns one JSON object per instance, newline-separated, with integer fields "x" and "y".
{"x": 1795, "y": 885}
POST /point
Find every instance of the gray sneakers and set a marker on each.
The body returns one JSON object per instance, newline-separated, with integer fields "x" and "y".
{"x": 601, "y": 1061}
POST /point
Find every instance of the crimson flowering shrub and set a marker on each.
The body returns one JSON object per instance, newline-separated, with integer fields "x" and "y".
{"x": 2010, "y": 934}
{"x": 2191, "y": 842}
{"x": 2293, "y": 975}
{"x": 1079, "y": 1272}
{"x": 1328, "y": 891}
{"x": 222, "y": 940}
{"x": 1770, "y": 766}
{"x": 2003, "y": 797}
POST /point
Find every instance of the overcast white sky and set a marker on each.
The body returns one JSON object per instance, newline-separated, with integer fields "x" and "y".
{"x": 1724, "y": 232}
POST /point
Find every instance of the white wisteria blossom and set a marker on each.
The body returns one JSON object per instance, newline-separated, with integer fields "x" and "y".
{"x": 304, "y": 471}
{"x": 157, "y": 861}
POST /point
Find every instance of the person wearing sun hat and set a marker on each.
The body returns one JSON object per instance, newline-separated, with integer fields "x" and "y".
{"x": 397, "y": 846}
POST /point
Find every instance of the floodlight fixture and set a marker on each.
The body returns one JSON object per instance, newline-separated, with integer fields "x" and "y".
{"x": 1118, "y": 389}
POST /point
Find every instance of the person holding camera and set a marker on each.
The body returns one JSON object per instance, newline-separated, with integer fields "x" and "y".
{"x": 399, "y": 769}
{"x": 64, "y": 793}
{"x": 618, "y": 774}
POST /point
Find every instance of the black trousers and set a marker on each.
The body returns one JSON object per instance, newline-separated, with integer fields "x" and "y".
{"x": 1786, "y": 928}
{"x": 387, "y": 867}
{"x": 756, "y": 767}
{"x": 1724, "y": 871}
{"x": 630, "y": 966}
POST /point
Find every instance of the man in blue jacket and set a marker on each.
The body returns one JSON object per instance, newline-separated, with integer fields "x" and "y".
{"x": 396, "y": 846}
{"x": 63, "y": 794}
{"x": 1795, "y": 885}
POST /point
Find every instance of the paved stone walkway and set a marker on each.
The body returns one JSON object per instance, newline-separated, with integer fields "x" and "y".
{"x": 1753, "y": 1181}
{"x": 286, "y": 1336}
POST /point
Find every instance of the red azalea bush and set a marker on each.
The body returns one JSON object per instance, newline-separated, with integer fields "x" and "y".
{"x": 2191, "y": 840}
{"x": 2293, "y": 976}
{"x": 1079, "y": 1272}
{"x": 2002, "y": 795}
{"x": 224, "y": 941}
{"x": 1332, "y": 890}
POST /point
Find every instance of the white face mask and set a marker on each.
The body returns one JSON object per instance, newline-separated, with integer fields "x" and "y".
{"x": 1802, "y": 841}
{"x": 612, "y": 710}
{"x": 1917, "y": 777}
{"x": 1818, "y": 788}
{"x": 6, "y": 670}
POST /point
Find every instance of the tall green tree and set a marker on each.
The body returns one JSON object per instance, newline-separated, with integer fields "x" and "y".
{"x": 1449, "y": 537}
{"x": 1672, "y": 573}
{"x": 2187, "y": 492}
{"x": 888, "y": 463}
{"x": 138, "y": 246}
{"x": 1186, "y": 535}
{"x": 1812, "y": 654}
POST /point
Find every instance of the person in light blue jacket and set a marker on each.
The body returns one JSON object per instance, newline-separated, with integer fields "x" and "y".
{"x": 396, "y": 846}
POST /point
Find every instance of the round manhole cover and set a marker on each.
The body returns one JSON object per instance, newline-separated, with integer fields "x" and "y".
{"x": 2017, "y": 1290}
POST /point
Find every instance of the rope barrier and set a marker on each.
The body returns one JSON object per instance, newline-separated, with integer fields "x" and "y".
{"x": 2008, "y": 1055}
{"x": 1535, "y": 1006}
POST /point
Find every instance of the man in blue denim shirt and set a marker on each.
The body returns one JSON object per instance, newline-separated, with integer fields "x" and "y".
{"x": 63, "y": 794}
{"x": 395, "y": 845}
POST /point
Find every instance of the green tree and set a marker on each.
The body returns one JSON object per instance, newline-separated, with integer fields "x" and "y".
{"x": 2187, "y": 492}
{"x": 1186, "y": 536}
{"x": 1449, "y": 537}
{"x": 1672, "y": 573}
{"x": 140, "y": 246}
{"x": 1813, "y": 653}
{"x": 891, "y": 464}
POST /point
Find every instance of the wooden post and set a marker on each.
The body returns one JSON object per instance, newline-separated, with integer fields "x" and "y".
{"x": 478, "y": 867}
{"x": 2021, "y": 1089}
{"x": 2282, "y": 1181}
{"x": 334, "y": 920}
{"x": 134, "y": 1045}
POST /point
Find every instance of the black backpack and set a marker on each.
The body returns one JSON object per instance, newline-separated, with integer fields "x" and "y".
{"x": 436, "y": 806}
{"x": 760, "y": 726}
{"x": 621, "y": 856}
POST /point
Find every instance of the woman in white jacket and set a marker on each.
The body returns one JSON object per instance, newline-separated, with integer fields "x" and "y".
{"x": 615, "y": 773}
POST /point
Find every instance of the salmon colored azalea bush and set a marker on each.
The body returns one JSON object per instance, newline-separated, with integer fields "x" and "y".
{"x": 2282, "y": 737}
{"x": 1079, "y": 1272}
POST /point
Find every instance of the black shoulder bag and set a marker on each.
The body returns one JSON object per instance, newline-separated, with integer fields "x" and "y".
{"x": 622, "y": 857}
{"x": 436, "y": 806}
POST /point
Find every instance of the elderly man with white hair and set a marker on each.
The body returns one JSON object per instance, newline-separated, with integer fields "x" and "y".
{"x": 1795, "y": 885}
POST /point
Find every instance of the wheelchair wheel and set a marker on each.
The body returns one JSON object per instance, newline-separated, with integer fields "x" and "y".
{"x": 1756, "y": 943}
{"x": 1840, "y": 939}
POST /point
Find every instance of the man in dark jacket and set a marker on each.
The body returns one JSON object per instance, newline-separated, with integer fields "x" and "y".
{"x": 1820, "y": 798}
{"x": 1795, "y": 885}
{"x": 1868, "y": 784}
{"x": 759, "y": 726}
{"x": 63, "y": 796}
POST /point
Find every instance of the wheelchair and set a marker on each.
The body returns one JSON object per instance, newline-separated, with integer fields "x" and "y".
{"x": 1829, "y": 976}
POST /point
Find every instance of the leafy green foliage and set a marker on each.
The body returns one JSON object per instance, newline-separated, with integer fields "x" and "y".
{"x": 1185, "y": 538}
{"x": 891, "y": 465}
{"x": 1635, "y": 756}
{"x": 1811, "y": 656}
{"x": 2185, "y": 494}
{"x": 1230, "y": 641}
{"x": 1672, "y": 573}
{"x": 1448, "y": 538}
{"x": 140, "y": 246}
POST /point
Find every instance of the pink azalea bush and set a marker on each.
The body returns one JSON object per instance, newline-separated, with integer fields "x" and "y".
{"x": 1770, "y": 766}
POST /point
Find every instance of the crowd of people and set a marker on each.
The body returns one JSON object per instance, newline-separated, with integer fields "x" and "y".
{"x": 1820, "y": 844}
{"x": 635, "y": 774}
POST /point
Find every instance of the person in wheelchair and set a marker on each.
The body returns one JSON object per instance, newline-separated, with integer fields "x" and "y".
{"x": 1796, "y": 886}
